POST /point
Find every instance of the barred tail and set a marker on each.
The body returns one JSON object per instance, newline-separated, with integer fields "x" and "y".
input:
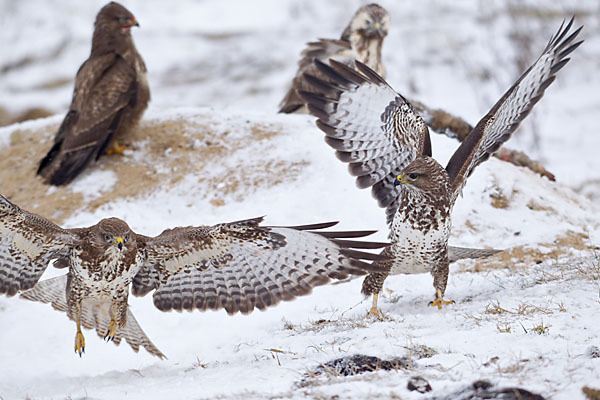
{"x": 93, "y": 316}
{"x": 460, "y": 253}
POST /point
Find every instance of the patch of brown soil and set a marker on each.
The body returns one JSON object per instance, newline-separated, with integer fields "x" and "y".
{"x": 499, "y": 199}
{"x": 163, "y": 153}
{"x": 535, "y": 206}
{"x": 522, "y": 257}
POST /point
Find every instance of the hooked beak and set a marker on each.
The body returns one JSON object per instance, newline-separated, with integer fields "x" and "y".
{"x": 399, "y": 181}
{"x": 377, "y": 29}
{"x": 119, "y": 241}
{"x": 131, "y": 22}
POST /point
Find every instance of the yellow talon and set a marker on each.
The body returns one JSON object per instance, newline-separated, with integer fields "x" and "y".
{"x": 79, "y": 341}
{"x": 116, "y": 149}
{"x": 111, "y": 331}
{"x": 374, "y": 311}
{"x": 439, "y": 300}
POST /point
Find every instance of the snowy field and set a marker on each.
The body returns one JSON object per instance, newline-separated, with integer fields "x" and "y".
{"x": 528, "y": 317}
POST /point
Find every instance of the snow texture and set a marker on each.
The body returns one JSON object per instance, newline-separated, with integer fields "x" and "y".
{"x": 529, "y": 319}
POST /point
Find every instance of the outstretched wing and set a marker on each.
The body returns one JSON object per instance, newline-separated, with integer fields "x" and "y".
{"x": 93, "y": 315}
{"x": 505, "y": 116}
{"x": 322, "y": 49}
{"x": 104, "y": 86}
{"x": 372, "y": 127}
{"x": 28, "y": 242}
{"x": 241, "y": 265}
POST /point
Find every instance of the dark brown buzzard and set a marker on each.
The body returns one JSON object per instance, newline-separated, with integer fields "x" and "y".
{"x": 238, "y": 266}
{"x": 387, "y": 146}
{"x": 110, "y": 96}
{"x": 361, "y": 40}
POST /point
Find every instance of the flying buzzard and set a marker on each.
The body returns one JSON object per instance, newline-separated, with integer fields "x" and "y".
{"x": 110, "y": 96}
{"x": 362, "y": 40}
{"x": 387, "y": 146}
{"x": 237, "y": 266}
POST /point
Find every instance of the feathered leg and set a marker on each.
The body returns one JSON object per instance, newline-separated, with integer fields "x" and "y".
{"x": 118, "y": 315}
{"x": 372, "y": 285}
{"x": 440, "y": 280}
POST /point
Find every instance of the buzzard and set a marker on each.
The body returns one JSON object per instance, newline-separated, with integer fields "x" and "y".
{"x": 237, "y": 266}
{"x": 110, "y": 96}
{"x": 362, "y": 40}
{"x": 387, "y": 146}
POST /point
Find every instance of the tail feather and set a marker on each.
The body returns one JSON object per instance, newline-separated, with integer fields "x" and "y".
{"x": 373, "y": 283}
{"x": 461, "y": 253}
{"x": 93, "y": 316}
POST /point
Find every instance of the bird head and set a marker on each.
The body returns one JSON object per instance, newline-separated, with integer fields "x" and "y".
{"x": 113, "y": 18}
{"x": 424, "y": 174}
{"x": 369, "y": 21}
{"x": 113, "y": 232}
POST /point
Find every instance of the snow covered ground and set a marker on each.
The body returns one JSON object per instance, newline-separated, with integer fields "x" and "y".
{"x": 528, "y": 317}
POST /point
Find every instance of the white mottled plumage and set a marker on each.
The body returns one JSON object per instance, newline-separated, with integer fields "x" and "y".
{"x": 237, "y": 266}
{"x": 385, "y": 141}
{"x": 95, "y": 313}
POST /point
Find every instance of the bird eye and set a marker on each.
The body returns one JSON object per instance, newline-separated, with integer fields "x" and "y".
{"x": 106, "y": 237}
{"x": 126, "y": 237}
{"x": 413, "y": 176}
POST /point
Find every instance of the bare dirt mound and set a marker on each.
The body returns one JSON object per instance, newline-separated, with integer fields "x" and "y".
{"x": 163, "y": 152}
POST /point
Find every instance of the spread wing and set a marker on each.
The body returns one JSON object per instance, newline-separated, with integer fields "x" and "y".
{"x": 93, "y": 315}
{"x": 104, "y": 86}
{"x": 322, "y": 49}
{"x": 28, "y": 243}
{"x": 372, "y": 127}
{"x": 505, "y": 116}
{"x": 241, "y": 265}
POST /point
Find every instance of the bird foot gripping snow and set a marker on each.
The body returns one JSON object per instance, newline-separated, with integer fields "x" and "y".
{"x": 375, "y": 311}
{"x": 439, "y": 301}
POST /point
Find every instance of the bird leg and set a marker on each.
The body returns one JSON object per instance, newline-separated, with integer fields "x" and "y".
{"x": 116, "y": 149}
{"x": 79, "y": 341}
{"x": 111, "y": 331}
{"x": 374, "y": 311}
{"x": 373, "y": 285}
{"x": 439, "y": 300}
{"x": 117, "y": 312}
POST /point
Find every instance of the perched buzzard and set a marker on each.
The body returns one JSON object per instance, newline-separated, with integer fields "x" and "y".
{"x": 362, "y": 40}
{"x": 237, "y": 266}
{"x": 110, "y": 96}
{"x": 388, "y": 147}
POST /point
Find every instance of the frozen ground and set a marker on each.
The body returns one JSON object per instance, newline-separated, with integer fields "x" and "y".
{"x": 528, "y": 317}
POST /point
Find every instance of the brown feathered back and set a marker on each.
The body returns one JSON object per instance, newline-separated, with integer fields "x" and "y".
{"x": 362, "y": 40}
{"x": 111, "y": 94}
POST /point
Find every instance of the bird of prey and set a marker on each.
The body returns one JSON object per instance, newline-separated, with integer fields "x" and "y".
{"x": 361, "y": 40}
{"x": 237, "y": 266}
{"x": 387, "y": 146}
{"x": 111, "y": 94}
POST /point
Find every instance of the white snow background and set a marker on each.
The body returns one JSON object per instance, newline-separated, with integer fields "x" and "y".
{"x": 231, "y": 62}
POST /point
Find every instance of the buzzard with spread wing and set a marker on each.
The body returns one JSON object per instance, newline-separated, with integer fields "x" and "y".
{"x": 361, "y": 40}
{"x": 387, "y": 146}
{"x": 237, "y": 266}
{"x": 111, "y": 94}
